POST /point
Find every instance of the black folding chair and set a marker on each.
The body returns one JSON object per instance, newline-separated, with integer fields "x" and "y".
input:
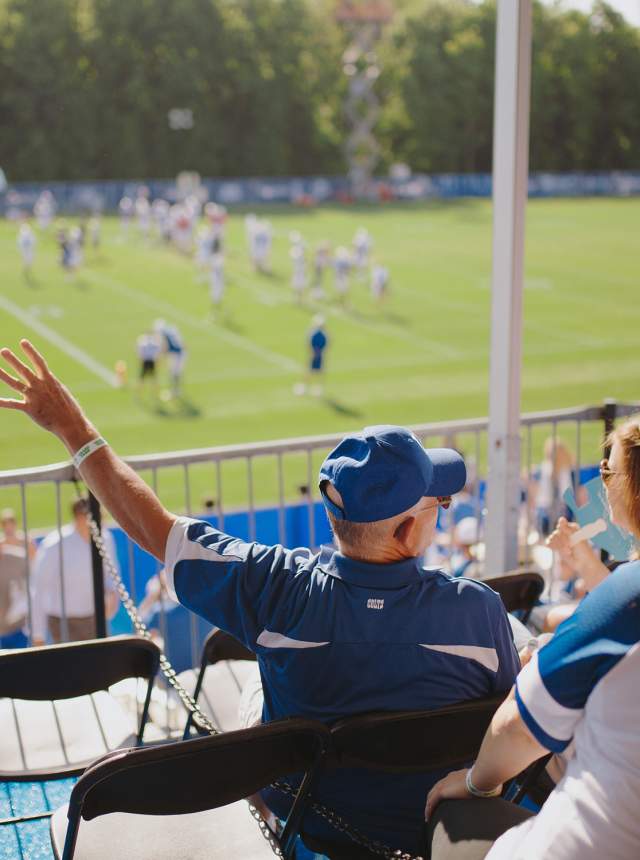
{"x": 519, "y": 591}
{"x": 203, "y": 781}
{"x": 46, "y": 729}
{"x": 218, "y": 647}
{"x": 405, "y": 742}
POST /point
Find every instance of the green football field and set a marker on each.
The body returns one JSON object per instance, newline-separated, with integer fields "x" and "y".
{"x": 423, "y": 356}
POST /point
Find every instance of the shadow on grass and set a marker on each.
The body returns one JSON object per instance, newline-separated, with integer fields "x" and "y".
{"x": 179, "y": 407}
{"x": 341, "y": 408}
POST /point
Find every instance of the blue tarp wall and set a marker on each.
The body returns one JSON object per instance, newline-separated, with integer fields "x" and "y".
{"x": 73, "y": 197}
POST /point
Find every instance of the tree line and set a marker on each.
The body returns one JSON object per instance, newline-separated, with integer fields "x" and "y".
{"x": 86, "y": 87}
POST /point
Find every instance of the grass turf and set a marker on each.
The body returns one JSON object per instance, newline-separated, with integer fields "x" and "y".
{"x": 423, "y": 356}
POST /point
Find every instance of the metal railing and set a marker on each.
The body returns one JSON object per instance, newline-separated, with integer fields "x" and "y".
{"x": 267, "y": 491}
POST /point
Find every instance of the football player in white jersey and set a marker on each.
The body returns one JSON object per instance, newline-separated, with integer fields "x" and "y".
{"x": 379, "y": 282}
{"x": 342, "y": 266}
{"x": 216, "y": 280}
{"x": 173, "y": 347}
{"x": 362, "y": 244}
{"x": 148, "y": 347}
{"x": 45, "y": 209}
{"x": 27, "y": 247}
{"x": 298, "y": 256}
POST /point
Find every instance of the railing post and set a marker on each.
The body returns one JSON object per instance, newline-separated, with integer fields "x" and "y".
{"x": 98, "y": 573}
{"x": 609, "y": 411}
{"x": 510, "y": 172}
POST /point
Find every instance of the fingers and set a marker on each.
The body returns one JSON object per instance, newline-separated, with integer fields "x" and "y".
{"x": 7, "y": 403}
{"x": 34, "y": 355}
{"x": 19, "y": 366}
{"x": 12, "y": 382}
{"x": 433, "y": 799}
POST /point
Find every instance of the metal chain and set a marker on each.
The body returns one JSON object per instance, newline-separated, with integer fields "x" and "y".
{"x": 329, "y": 815}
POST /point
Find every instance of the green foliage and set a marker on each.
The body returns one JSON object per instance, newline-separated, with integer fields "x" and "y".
{"x": 86, "y": 85}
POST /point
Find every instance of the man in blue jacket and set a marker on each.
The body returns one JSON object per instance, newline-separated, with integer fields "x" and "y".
{"x": 336, "y": 632}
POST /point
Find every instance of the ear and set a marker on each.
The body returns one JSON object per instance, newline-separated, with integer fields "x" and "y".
{"x": 404, "y": 533}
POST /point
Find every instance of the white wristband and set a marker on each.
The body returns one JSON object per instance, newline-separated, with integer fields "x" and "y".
{"x": 478, "y": 792}
{"x": 87, "y": 450}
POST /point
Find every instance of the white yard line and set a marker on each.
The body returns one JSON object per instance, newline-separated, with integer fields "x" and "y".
{"x": 61, "y": 342}
{"x": 173, "y": 313}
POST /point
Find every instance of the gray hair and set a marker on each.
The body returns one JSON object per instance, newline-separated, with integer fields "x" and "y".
{"x": 362, "y": 540}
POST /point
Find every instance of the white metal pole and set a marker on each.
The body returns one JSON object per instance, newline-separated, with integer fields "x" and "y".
{"x": 510, "y": 174}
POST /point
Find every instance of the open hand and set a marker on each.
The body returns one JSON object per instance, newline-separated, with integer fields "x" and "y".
{"x": 44, "y": 398}
{"x": 452, "y": 787}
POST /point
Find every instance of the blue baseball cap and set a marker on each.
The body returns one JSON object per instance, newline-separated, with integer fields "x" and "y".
{"x": 384, "y": 471}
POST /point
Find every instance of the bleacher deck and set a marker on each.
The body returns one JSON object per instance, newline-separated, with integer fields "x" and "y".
{"x": 27, "y": 838}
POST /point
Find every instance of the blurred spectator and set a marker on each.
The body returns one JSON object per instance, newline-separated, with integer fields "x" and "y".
{"x": 13, "y": 596}
{"x": 178, "y": 633}
{"x": 553, "y": 480}
{"x": 464, "y": 561}
{"x": 13, "y": 581}
{"x": 11, "y": 535}
{"x": 69, "y": 549}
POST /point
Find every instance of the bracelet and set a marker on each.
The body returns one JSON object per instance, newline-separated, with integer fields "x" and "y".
{"x": 478, "y": 792}
{"x": 87, "y": 450}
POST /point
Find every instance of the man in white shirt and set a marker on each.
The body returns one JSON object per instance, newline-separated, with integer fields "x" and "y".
{"x": 70, "y": 549}
{"x": 27, "y": 246}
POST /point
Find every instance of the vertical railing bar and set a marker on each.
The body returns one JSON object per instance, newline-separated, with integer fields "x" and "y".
{"x": 476, "y": 488}
{"x": 193, "y": 621}
{"x": 555, "y": 478}
{"x": 528, "y": 491}
{"x": 64, "y": 624}
{"x": 219, "y": 495}
{"x": 448, "y": 549}
{"x": 252, "y": 513}
{"x": 27, "y": 556}
{"x": 312, "y": 524}
{"x": 163, "y": 615}
{"x": 131, "y": 556}
{"x": 576, "y": 478}
{"x": 132, "y": 569}
{"x": 282, "y": 525}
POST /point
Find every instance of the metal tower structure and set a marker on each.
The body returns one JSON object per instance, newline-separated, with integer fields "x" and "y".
{"x": 364, "y": 21}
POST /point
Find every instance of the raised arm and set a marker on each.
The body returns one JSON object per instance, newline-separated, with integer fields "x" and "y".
{"x": 51, "y": 405}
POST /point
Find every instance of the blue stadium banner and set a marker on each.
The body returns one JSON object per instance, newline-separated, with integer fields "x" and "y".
{"x": 18, "y": 198}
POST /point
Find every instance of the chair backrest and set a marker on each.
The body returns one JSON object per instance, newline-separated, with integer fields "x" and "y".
{"x": 518, "y": 590}
{"x": 194, "y": 775}
{"x": 223, "y": 646}
{"x": 75, "y": 668}
{"x": 217, "y": 646}
{"x": 413, "y": 741}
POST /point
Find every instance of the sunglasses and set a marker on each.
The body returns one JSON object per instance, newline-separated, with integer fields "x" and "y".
{"x": 444, "y": 501}
{"x": 605, "y": 472}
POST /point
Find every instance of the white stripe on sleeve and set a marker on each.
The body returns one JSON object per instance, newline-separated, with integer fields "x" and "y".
{"x": 180, "y": 548}
{"x": 553, "y": 718}
{"x": 487, "y": 657}
{"x": 268, "y": 639}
